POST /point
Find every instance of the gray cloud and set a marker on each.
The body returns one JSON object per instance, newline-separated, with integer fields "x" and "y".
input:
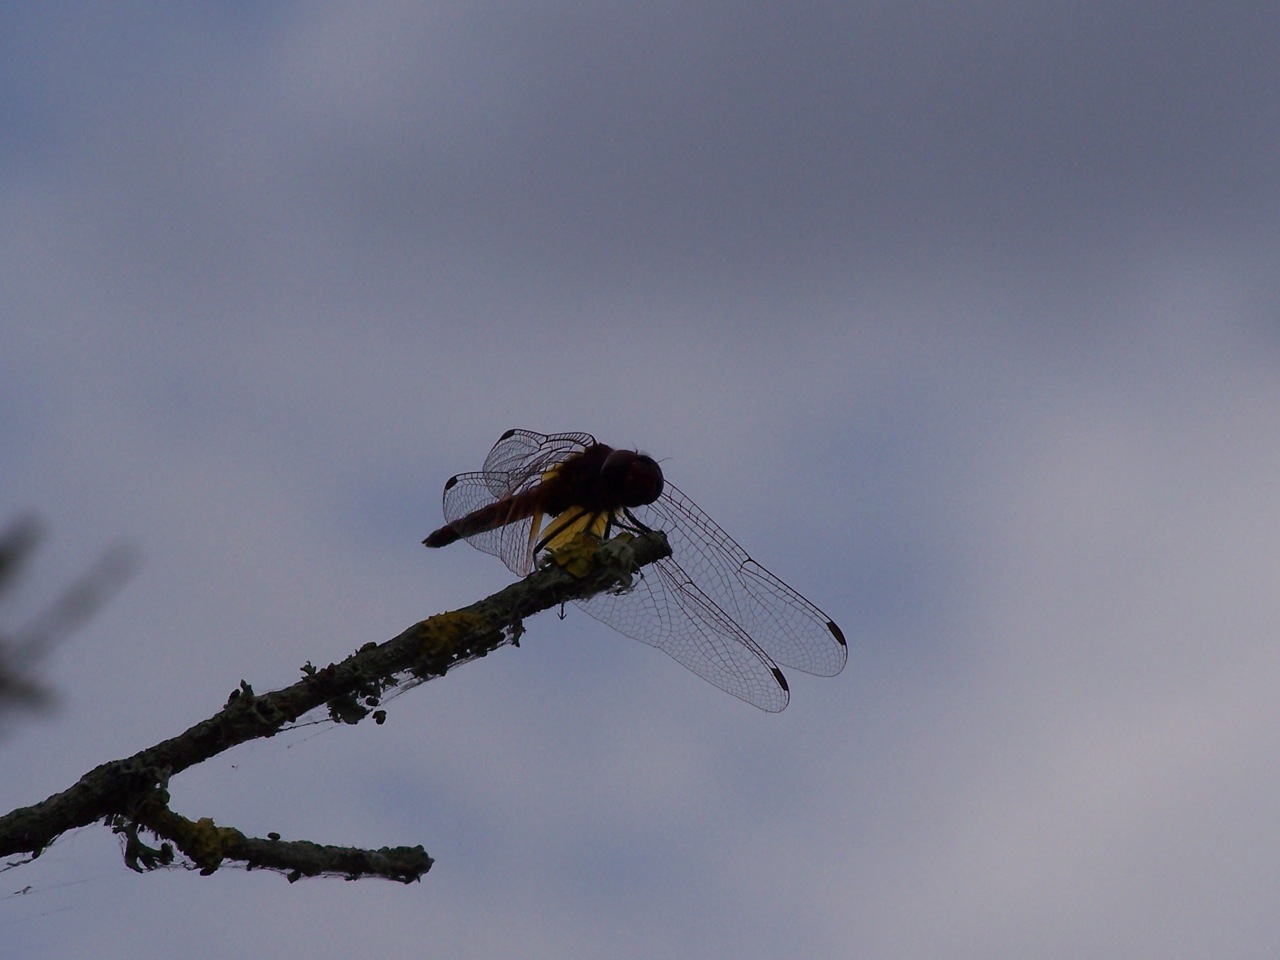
{"x": 961, "y": 317}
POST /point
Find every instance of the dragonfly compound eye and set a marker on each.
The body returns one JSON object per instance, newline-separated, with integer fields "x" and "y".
{"x": 643, "y": 481}
{"x": 634, "y": 479}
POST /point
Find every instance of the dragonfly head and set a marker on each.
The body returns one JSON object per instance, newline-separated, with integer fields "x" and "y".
{"x": 636, "y": 476}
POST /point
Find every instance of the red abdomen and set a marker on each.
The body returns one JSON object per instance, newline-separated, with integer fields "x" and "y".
{"x": 495, "y": 515}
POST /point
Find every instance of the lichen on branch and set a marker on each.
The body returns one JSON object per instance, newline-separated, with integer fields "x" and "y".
{"x": 131, "y": 794}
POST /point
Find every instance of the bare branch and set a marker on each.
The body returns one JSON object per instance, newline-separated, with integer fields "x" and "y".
{"x": 132, "y": 793}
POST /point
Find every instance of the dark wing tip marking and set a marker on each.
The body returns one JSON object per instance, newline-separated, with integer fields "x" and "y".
{"x": 782, "y": 681}
{"x": 836, "y": 632}
{"x": 506, "y": 435}
{"x": 445, "y": 535}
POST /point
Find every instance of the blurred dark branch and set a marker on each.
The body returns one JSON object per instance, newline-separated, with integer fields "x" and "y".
{"x": 132, "y": 793}
{"x": 16, "y": 545}
{"x": 21, "y": 649}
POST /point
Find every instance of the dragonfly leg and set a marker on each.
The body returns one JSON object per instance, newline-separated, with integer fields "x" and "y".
{"x": 633, "y": 524}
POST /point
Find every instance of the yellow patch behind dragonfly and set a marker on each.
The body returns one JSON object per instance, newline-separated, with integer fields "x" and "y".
{"x": 573, "y": 539}
{"x": 536, "y": 527}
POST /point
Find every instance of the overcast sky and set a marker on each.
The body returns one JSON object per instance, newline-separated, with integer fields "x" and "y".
{"x": 964, "y": 318}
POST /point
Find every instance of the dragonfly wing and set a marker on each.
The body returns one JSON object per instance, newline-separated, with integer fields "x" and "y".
{"x": 665, "y": 609}
{"x": 516, "y": 463}
{"x": 520, "y": 457}
{"x": 790, "y": 629}
{"x": 469, "y": 492}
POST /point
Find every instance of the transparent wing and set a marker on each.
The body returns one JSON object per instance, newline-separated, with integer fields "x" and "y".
{"x": 786, "y": 626}
{"x": 515, "y": 464}
{"x": 520, "y": 457}
{"x": 666, "y": 609}
{"x": 468, "y": 492}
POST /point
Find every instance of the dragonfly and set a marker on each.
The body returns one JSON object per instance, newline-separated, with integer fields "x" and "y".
{"x": 709, "y": 605}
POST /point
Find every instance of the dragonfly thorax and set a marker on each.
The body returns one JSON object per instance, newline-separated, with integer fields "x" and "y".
{"x": 601, "y": 479}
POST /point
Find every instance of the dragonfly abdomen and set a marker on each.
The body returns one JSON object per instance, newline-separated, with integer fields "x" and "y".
{"x": 495, "y": 515}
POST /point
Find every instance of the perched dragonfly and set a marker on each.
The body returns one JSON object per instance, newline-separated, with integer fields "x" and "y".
{"x": 708, "y": 605}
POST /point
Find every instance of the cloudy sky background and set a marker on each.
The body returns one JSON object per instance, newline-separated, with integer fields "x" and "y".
{"x": 964, "y": 318}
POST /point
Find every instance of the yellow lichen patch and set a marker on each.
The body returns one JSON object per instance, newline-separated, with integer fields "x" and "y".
{"x": 445, "y": 631}
{"x": 578, "y": 553}
{"x": 206, "y": 843}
